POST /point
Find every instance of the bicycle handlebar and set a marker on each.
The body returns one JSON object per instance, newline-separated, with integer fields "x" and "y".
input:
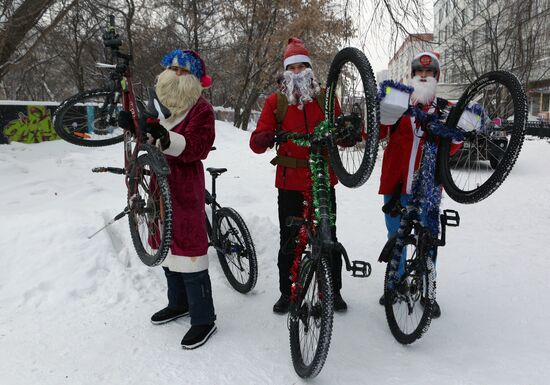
{"x": 154, "y": 106}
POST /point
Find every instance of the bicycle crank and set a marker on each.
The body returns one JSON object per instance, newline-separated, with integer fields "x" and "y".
{"x": 116, "y": 218}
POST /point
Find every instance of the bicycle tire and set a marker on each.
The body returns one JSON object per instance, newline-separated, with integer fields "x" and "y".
{"x": 235, "y": 241}
{"x": 93, "y": 110}
{"x": 353, "y": 165}
{"x": 395, "y": 298}
{"x": 320, "y": 313}
{"x": 473, "y": 180}
{"x": 150, "y": 216}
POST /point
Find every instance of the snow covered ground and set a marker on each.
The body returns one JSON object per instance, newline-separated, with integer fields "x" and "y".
{"x": 76, "y": 311}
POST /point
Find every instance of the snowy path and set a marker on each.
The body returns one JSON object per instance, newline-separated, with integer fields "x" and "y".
{"x": 76, "y": 311}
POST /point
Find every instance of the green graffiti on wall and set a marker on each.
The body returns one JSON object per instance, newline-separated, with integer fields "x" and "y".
{"x": 34, "y": 128}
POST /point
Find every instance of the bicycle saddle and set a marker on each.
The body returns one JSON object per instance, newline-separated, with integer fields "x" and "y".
{"x": 216, "y": 171}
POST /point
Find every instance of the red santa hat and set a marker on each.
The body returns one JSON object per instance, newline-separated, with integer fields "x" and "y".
{"x": 295, "y": 52}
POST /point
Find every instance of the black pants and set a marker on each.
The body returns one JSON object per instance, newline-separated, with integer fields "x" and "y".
{"x": 191, "y": 291}
{"x": 291, "y": 204}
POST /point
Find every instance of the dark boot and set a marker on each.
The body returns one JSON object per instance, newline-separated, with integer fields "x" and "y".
{"x": 339, "y": 304}
{"x": 282, "y": 305}
{"x": 381, "y": 300}
{"x": 167, "y": 314}
{"x": 436, "y": 310}
{"x": 197, "y": 336}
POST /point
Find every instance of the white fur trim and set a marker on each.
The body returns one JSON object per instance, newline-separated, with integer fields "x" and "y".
{"x": 172, "y": 124}
{"x": 417, "y": 134}
{"x": 296, "y": 59}
{"x": 183, "y": 264}
{"x": 177, "y": 144}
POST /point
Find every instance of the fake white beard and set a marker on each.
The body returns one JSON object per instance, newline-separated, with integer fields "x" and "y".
{"x": 300, "y": 88}
{"x": 424, "y": 92}
{"x": 178, "y": 93}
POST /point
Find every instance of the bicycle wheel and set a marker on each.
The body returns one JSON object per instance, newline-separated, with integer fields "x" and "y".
{"x": 150, "y": 214}
{"x": 236, "y": 250}
{"x": 354, "y": 147}
{"x": 492, "y": 113}
{"x": 310, "y": 321}
{"x": 90, "y": 118}
{"x": 409, "y": 304}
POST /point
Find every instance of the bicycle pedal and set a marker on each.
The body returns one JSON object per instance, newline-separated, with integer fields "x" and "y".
{"x": 450, "y": 218}
{"x": 114, "y": 170}
{"x": 360, "y": 269}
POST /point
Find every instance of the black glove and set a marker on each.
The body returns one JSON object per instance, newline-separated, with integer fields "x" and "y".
{"x": 157, "y": 131}
{"x": 125, "y": 121}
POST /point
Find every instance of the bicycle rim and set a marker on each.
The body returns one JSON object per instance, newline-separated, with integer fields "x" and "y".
{"x": 150, "y": 214}
{"x": 351, "y": 83}
{"x": 236, "y": 252}
{"x": 90, "y": 118}
{"x": 492, "y": 114}
{"x": 310, "y": 319}
{"x": 408, "y": 306}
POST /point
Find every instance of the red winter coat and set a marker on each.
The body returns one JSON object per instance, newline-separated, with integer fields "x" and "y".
{"x": 186, "y": 181}
{"x": 402, "y": 155}
{"x": 295, "y": 121}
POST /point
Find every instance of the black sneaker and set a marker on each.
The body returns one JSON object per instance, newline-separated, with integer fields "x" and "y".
{"x": 197, "y": 336}
{"x": 166, "y": 315}
{"x": 339, "y": 304}
{"x": 282, "y": 305}
{"x": 436, "y": 310}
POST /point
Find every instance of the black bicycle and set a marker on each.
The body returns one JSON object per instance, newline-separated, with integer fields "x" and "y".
{"x": 90, "y": 119}
{"x": 410, "y": 280}
{"x": 230, "y": 237}
{"x": 350, "y": 136}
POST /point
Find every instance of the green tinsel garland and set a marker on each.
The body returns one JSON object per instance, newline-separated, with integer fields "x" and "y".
{"x": 318, "y": 166}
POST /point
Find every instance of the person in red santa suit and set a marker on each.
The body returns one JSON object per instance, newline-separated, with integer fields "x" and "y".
{"x": 186, "y": 138}
{"x": 301, "y": 88}
{"x": 405, "y": 140}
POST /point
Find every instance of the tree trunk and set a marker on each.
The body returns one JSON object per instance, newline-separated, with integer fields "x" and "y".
{"x": 24, "y": 18}
{"x": 247, "y": 109}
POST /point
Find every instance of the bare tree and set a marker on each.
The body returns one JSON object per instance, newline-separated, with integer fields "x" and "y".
{"x": 487, "y": 36}
{"x": 260, "y": 31}
{"x": 22, "y": 27}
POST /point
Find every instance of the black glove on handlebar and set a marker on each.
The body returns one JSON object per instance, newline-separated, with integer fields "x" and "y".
{"x": 125, "y": 121}
{"x": 157, "y": 131}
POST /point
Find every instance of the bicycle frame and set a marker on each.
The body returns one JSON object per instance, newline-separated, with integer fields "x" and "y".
{"x": 210, "y": 200}
{"x": 423, "y": 186}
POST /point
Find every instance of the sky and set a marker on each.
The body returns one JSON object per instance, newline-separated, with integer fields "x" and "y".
{"x": 377, "y": 43}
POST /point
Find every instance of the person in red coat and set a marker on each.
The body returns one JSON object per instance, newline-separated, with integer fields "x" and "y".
{"x": 405, "y": 139}
{"x": 304, "y": 113}
{"x": 186, "y": 138}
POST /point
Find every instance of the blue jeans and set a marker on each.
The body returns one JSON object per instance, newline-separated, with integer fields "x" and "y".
{"x": 392, "y": 225}
{"x": 191, "y": 291}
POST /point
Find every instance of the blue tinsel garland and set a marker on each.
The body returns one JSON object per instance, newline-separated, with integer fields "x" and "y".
{"x": 184, "y": 58}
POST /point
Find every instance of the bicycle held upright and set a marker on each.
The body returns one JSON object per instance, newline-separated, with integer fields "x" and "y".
{"x": 467, "y": 176}
{"x": 90, "y": 119}
{"x": 351, "y": 140}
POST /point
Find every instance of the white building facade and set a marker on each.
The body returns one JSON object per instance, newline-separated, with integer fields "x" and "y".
{"x": 477, "y": 36}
